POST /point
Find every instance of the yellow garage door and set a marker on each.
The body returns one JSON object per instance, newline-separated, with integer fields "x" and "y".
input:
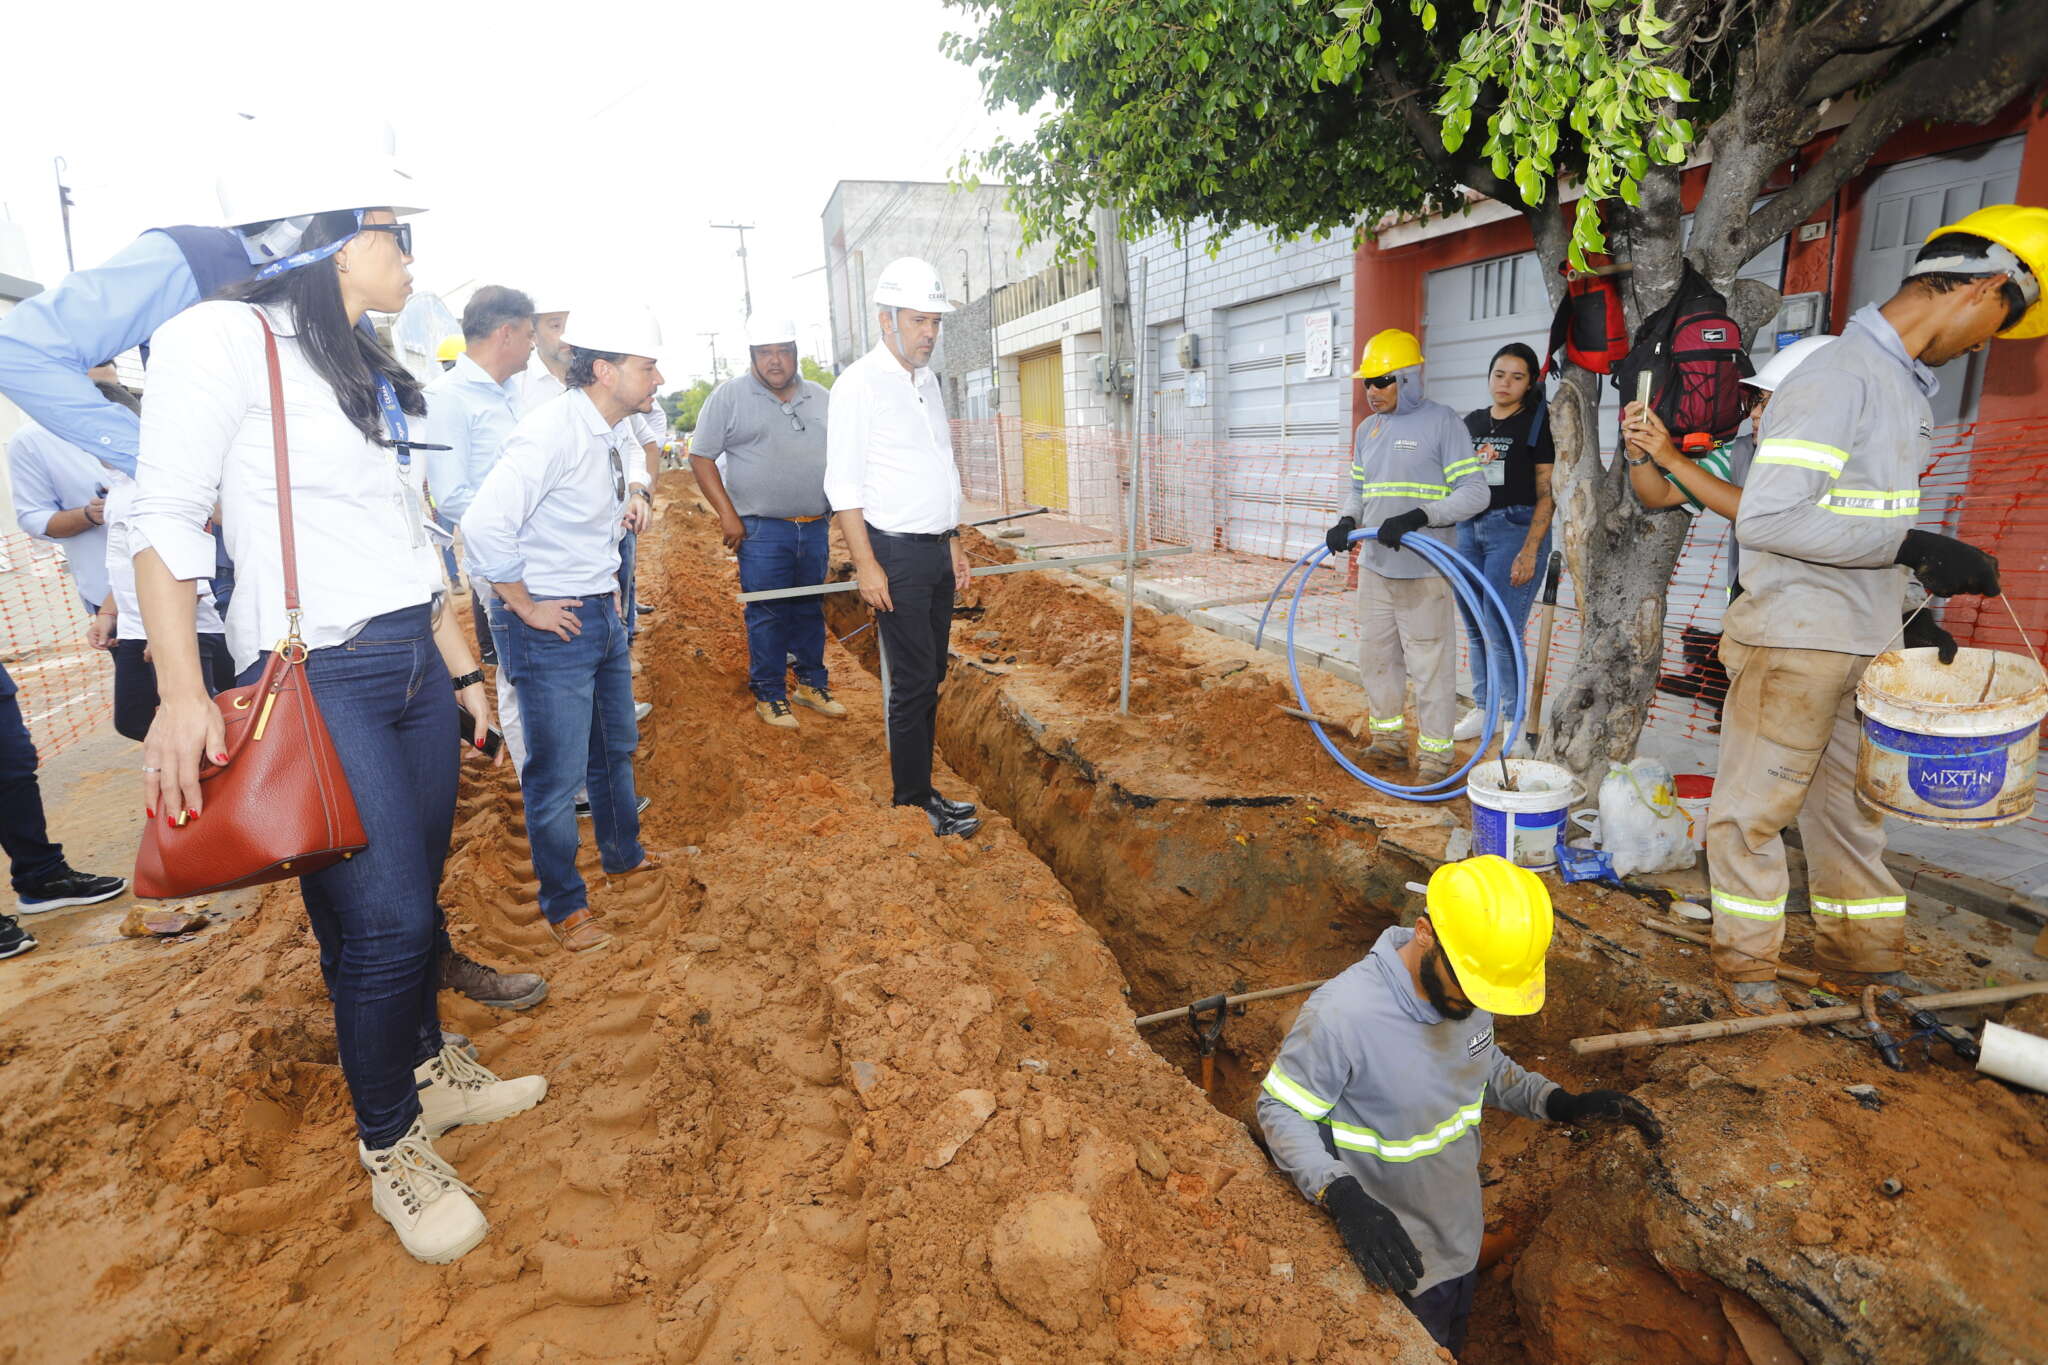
{"x": 1045, "y": 429}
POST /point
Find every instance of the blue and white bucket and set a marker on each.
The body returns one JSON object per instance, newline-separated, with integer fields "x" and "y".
{"x": 1951, "y": 746}
{"x": 1524, "y": 822}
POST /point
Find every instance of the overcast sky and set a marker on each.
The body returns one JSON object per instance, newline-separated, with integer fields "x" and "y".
{"x": 590, "y": 144}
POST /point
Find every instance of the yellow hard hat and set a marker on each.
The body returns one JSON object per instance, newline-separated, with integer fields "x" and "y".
{"x": 1493, "y": 920}
{"x": 450, "y": 348}
{"x": 1387, "y": 352}
{"x": 2023, "y": 231}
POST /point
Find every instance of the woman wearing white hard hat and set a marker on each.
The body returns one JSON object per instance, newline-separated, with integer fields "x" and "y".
{"x": 379, "y": 654}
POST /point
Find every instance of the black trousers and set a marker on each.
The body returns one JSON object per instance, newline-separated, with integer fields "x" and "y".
{"x": 1444, "y": 1309}
{"x": 914, "y": 636}
{"x": 135, "y": 695}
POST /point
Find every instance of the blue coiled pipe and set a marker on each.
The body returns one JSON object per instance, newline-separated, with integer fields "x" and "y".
{"x": 1475, "y": 596}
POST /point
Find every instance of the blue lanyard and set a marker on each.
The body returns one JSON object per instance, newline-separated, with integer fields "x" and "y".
{"x": 394, "y": 419}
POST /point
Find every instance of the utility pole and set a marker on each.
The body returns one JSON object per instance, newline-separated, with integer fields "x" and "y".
{"x": 64, "y": 207}
{"x": 995, "y": 359}
{"x": 746, "y": 284}
{"x": 716, "y": 374}
{"x": 1118, "y": 337}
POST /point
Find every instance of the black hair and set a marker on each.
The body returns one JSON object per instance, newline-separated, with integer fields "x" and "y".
{"x": 1527, "y": 356}
{"x": 490, "y": 308}
{"x": 348, "y": 358}
{"x": 583, "y": 365}
{"x": 1942, "y": 281}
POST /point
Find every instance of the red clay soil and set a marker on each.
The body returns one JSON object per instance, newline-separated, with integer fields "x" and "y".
{"x": 837, "y": 1092}
{"x": 1216, "y": 848}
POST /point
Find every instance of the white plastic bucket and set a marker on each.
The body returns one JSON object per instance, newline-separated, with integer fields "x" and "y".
{"x": 1695, "y": 793}
{"x": 2013, "y": 1055}
{"x": 1951, "y": 746}
{"x": 1521, "y": 825}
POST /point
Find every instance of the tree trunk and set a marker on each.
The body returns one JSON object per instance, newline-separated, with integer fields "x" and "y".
{"x": 1618, "y": 555}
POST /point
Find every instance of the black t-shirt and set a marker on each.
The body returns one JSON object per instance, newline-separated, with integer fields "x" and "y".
{"x": 1506, "y": 457}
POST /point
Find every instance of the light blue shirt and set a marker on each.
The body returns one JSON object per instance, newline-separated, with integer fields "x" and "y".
{"x": 51, "y": 475}
{"x": 548, "y": 514}
{"x": 471, "y": 414}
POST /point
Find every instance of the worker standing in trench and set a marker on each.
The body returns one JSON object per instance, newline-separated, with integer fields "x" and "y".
{"x": 1372, "y": 1105}
{"x": 1412, "y": 466}
{"x": 1826, "y": 518}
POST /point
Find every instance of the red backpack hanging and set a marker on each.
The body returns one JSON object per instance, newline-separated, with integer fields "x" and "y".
{"x": 1589, "y": 327}
{"x": 1694, "y": 354}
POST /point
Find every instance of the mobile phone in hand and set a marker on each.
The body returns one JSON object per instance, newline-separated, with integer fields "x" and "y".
{"x": 494, "y": 739}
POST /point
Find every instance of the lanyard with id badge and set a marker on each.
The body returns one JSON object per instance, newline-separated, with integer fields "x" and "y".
{"x": 415, "y": 499}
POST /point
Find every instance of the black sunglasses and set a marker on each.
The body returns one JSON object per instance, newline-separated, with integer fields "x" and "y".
{"x": 402, "y": 231}
{"x": 796, "y": 423}
{"x": 618, "y": 474}
{"x": 1384, "y": 381}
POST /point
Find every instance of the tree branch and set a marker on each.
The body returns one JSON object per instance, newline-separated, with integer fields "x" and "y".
{"x": 1428, "y": 133}
{"x": 1988, "y": 66}
{"x": 1852, "y": 66}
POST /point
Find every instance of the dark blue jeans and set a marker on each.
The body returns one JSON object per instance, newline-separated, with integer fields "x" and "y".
{"x": 779, "y": 553}
{"x": 1491, "y": 541}
{"x": 1444, "y": 1310}
{"x": 33, "y": 859}
{"x": 135, "y": 696}
{"x": 629, "y": 563}
{"x": 576, "y": 699}
{"x": 391, "y": 714}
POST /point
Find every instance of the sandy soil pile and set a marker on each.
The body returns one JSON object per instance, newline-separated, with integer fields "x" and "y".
{"x": 837, "y": 1092}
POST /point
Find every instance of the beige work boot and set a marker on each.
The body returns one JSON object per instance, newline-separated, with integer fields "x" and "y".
{"x": 777, "y": 714}
{"x": 579, "y": 932}
{"x": 455, "y": 1090}
{"x": 423, "y": 1199}
{"x": 819, "y": 699}
{"x": 1432, "y": 768}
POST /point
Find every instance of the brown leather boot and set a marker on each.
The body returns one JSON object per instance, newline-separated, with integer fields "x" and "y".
{"x": 489, "y": 986}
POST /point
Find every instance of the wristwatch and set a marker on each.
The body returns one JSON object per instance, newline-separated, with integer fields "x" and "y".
{"x": 475, "y": 675}
{"x": 1637, "y": 464}
{"x": 640, "y": 491}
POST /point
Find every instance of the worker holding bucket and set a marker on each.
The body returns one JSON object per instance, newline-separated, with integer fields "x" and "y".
{"x": 1826, "y": 517}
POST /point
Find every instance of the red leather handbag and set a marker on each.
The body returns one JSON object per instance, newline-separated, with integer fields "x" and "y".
{"x": 280, "y": 806}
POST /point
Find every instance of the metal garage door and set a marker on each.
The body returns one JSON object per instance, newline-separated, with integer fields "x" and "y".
{"x": 1903, "y": 205}
{"x": 1471, "y": 311}
{"x": 1266, "y": 384}
{"x": 1286, "y": 431}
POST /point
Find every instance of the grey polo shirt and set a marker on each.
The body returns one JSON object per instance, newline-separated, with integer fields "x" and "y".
{"x": 772, "y": 469}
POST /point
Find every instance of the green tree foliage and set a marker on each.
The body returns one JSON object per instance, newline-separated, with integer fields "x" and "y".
{"x": 683, "y": 405}
{"x": 817, "y": 373}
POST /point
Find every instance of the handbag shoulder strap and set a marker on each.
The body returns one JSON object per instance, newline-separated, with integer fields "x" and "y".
{"x": 284, "y": 472}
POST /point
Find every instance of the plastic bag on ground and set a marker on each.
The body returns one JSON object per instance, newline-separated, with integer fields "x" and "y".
{"x": 1642, "y": 826}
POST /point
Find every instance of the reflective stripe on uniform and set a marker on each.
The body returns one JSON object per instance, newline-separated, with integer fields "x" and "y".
{"x": 1430, "y": 744}
{"x": 1871, "y": 502}
{"x": 1803, "y": 454}
{"x": 1874, "y": 907}
{"x": 1730, "y": 904}
{"x": 1353, "y": 1138}
{"x": 1398, "y": 490}
{"x": 1389, "y": 723}
{"x": 1452, "y": 471}
{"x": 1295, "y": 1095}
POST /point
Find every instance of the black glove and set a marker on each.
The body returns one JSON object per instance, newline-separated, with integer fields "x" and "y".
{"x": 1339, "y": 536}
{"x": 1946, "y": 566}
{"x": 1373, "y": 1236}
{"x": 1924, "y": 632}
{"x": 1393, "y": 528}
{"x": 1565, "y": 1107}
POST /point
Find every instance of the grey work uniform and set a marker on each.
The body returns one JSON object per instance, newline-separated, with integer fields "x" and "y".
{"x": 774, "y": 450}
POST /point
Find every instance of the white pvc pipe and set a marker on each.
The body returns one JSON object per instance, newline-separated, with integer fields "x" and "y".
{"x": 2012, "y": 1055}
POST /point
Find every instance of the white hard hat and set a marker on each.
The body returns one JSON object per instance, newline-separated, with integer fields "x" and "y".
{"x": 908, "y": 282}
{"x": 1780, "y": 366}
{"x": 771, "y": 332}
{"x": 313, "y": 185}
{"x": 620, "y": 330}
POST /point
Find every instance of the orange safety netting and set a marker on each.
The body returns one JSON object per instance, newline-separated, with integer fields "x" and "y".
{"x": 1251, "y": 508}
{"x": 66, "y": 686}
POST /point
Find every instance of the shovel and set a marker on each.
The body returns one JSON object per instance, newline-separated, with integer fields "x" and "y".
{"x": 1549, "y": 600}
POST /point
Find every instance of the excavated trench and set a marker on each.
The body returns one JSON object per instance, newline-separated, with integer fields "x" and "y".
{"x": 1707, "y": 1249}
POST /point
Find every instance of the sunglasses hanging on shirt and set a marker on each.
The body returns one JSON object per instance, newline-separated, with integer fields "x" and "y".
{"x": 618, "y": 474}
{"x": 796, "y": 423}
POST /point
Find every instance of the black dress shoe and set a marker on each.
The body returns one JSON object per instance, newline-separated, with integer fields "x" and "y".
{"x": 643, "y": 608}
{"x": 945, "y": 822}
{"x": 959, "y": 810}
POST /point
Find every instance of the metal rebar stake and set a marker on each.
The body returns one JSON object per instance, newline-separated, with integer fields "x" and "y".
{"x": 882, "y": 653}
{"x": 1123, "y": 694}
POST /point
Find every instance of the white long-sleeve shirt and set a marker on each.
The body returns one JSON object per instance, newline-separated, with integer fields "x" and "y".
{"x": 362, "y": 548}
{"x": 888, "y": 450}
{"x": 51, "y": 475}
{"x": 121, "y": 570}
{"x": 549, "y": 513}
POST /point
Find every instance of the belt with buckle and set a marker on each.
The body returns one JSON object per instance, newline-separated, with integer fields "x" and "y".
{"x": 819, "y": 517}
